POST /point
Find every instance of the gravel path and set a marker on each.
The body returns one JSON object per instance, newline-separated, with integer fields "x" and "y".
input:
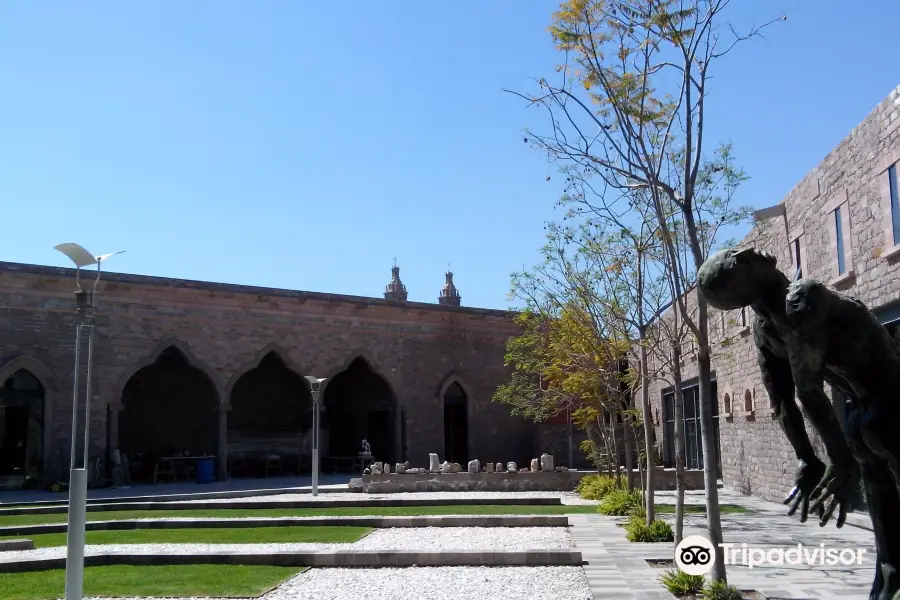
{"x": 402, "y": 539}
{"x": 467, "y": 538}
{"x": 437, "y": 583}
{"x": 565, "y": 497}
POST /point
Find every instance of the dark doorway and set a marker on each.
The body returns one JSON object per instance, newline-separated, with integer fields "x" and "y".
{"x": 270, "y": 420}
{"x": 169, "y": 409}
{"x": 693, "y": 443}
{"x": 358, "y": 404}
{"x": 21, "y": 426}
{"x": 456, "y": 425}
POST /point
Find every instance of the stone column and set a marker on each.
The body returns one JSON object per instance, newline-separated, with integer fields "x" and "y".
{"x": 222, "y": 452}
{"x": 398, "y": 437}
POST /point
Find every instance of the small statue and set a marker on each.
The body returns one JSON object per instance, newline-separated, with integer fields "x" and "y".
{"x": 366, "y": 448}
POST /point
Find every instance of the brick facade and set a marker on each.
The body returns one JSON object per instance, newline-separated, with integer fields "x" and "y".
{"x": 756, "y": 456}
{"x": 417, "y": 349}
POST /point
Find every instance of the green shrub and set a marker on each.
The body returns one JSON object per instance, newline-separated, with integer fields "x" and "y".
{"x": 596, "y": 487}
{"x": 659, "y": 531}
{"x": 680, "y": 584}
{"x": 719, "y": 590}
{"x": 620, "y": 502}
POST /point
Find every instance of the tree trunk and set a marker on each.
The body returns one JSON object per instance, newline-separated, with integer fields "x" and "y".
{"x": 678, "y": 401}
{"x": 629, "y": 452}
{"x": 710, "y": 476}
{"x": 615, "y": 444}
{"x": 648, "y": 430}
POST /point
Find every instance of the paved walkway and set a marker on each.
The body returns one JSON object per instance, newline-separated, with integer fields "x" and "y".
{"x": 618, "y": 569}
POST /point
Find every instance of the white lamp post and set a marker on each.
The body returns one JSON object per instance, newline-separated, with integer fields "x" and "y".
{"x": 78, "y": 477}
{"x": 315, "y": 386}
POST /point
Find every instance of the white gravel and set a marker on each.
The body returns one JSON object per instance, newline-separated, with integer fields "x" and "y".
{"x": 565, "y": 497}
{"x": 400, "y": 539}
{"x": 512, "y": 539}
{"x": 431, "y": 583}
{"x": 437, "y": 583}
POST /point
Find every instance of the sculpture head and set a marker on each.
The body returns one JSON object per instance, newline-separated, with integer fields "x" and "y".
{"x": 732, "y": 279}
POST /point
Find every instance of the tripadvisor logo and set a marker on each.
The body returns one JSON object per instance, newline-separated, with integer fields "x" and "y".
{"x": 695, "y": 555}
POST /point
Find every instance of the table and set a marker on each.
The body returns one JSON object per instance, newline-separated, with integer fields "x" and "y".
{"x": 171, "y": 465}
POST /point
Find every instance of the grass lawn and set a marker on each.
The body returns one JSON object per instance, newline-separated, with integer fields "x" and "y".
{"x": 249, "y": 535}
{"x": 475, "y": 509}
{"x": 693, "y": 509}
{"x": 489, "y": 509}
{"x": 182, "y": 581}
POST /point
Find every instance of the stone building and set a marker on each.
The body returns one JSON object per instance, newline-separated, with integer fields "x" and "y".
{"x": 189, "y": 367}
{"x": 841, "y": 225}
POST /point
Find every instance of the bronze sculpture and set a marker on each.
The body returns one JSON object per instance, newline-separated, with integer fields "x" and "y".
{"x": 806, "y": 334}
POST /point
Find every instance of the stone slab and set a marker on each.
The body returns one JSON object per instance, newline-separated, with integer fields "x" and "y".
{"x": 345, "y": 521}
{"x": 23, "y": 544}
{"x": 540, "y": 481}
{"x": 280, "y": 504}
{"x": 456, "y": 558}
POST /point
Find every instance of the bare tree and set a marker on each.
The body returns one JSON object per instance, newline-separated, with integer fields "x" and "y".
{"x": 629, "y": 109}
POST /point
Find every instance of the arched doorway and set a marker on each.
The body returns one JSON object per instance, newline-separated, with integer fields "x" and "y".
{"x": 358, "y": 404}
{"x": 169, "y": 408}
{"x": 456, "y": 425}
{"x": 270, "y": 420}
{"x": 22, "y": 427}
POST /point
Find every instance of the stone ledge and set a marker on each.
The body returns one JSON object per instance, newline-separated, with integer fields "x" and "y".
{"x": 550, "y": 481}
{"x": 455, "y": 558}
{"x": 225, "y": 494}
{"x": 276, "y": 504}
{"x": 344, "y": 521}
{"x": 8, "y": 545}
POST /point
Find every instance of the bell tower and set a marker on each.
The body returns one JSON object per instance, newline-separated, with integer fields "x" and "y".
{"x": 395, "y": 290}
{"x": 449, "y": 294}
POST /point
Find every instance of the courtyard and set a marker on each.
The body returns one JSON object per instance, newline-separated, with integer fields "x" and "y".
{"x": 175, "y": 543}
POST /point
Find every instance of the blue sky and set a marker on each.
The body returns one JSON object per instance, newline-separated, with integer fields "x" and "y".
{"x": 305, "y": 145}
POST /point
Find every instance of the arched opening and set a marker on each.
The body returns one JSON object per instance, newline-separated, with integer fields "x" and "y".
{"x": 748, "y": 401}
{"x": 22, "y": 428}
{"x": 169, "y": 409}
{"x": 270, "y": 423}
{"x": 358, "y": 404}
{"x": 456, "y": 425}
{"x": 727, "y": 402}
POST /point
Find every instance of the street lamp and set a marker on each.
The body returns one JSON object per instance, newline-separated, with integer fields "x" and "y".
{"x": 315, "y": 386}
{"x": 78, "y": 478}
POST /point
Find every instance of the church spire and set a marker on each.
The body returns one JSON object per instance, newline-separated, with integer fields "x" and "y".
{"x": 395, "y": 290}
{"x": 449, "y": 294}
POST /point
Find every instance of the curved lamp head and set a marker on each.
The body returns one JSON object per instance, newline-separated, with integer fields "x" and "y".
{"x": 314, "y": 382}
{"x": 82, "y": 258}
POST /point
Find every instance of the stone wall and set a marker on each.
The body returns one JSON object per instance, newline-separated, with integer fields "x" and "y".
{"x": 556, "y": 481}
{"x": 757, "y": 458}
{"x": 225, "y": 330}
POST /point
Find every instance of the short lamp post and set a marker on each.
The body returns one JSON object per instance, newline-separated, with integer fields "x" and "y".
{"x": 315, "y": 386}
{"x": 78, "y": 476}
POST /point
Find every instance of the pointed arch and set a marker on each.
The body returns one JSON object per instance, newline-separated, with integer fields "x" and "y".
{"x": 370, "y": 363}
{"x": 280, "y": 352}
{"x": 154, "y": 355}
{"x": 360, "y": 403}
{"x": 455, "y": 401}
{"x": 168, "y": 403}
{"x": 34, "y": 366}
{"x": 270, "y": 413}
{"x": 51, "y": 394}
{"x": 450, "y": 379}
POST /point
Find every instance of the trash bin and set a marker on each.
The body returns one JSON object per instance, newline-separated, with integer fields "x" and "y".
{"x": 205, "y": 470}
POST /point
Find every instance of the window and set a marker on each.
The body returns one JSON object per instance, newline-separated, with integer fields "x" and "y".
{"x": 895, "y": 202}
{"x": 839, "y": 239}
{"x": 744, "y": 317}
{"x": 798, "y": 274}
{"x": 693, "y": 445}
